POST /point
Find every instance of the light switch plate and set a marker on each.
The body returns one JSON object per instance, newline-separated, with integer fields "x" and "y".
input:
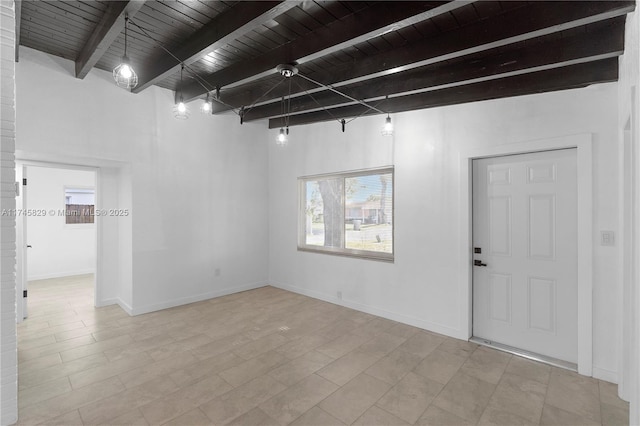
{"x": 607, "y": 238}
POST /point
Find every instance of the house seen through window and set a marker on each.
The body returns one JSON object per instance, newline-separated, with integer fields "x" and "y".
{"x": 348, "y": 213}
{"x": 79, "y": 205}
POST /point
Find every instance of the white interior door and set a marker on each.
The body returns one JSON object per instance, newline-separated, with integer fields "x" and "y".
{"x": 21, "y": 242}
{"x": 525, "y": 290}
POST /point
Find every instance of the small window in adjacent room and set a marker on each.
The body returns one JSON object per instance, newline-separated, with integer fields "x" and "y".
{"x": 348, "y": 213}
{"x": 79, "y": 205}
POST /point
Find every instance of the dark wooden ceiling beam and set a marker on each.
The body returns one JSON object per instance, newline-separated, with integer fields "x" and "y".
{"x": 226, "y": 27}
{"x": 376, "y": 20}
{"x": 587, "y": 46}
{"x": 574, "y": 76}
{"x": 105, "y": 33}
{"x": 521, "y": 24}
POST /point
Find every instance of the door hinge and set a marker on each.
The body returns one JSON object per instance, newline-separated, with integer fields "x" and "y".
{"x": 24, "y": 293}
{"x": 24, "y": 181}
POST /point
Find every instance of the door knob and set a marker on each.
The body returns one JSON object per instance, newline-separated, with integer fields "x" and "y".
{"x": 478, "y": 263}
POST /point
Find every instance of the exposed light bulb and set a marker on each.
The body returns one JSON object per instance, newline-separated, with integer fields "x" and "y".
{"x": 124, "y": 75}
{"x": 387, "y": 130}
{"x": 282, "y": 137}
{"x": 181, "y": 110}
{"x": 206, "y": 106}
{"x": 125, "y": 71}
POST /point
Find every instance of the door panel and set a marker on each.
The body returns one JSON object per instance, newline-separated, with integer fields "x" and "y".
{"x": 541, "y": 308}
{"x": 500, "y": 297}
{"x": 542, "y": 232}
{"x": 500, "y": 226}
{"x": 525, "y": 225}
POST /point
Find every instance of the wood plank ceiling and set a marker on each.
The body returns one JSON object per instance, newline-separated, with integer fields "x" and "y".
{"x": 393, "y": 55}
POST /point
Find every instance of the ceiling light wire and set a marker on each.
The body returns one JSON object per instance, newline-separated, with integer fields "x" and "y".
{"x": 282, "y": 112}
{"x": 195, "y": 75}
{"x": 329, "y": 87}
{"x": 318, "y": 103}
{"x": 242, "y": 110}
{"x": 364, "y": 112}
{"x": 126, "y": 20}
{"x": 289, "y": 103}
{"x": 265, "y": 94}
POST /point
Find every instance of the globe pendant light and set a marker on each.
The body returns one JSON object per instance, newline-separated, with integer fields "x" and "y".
{"x": 123, "y": 74}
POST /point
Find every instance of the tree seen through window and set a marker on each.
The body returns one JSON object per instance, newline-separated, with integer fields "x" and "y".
{"x": 351, "y": 212}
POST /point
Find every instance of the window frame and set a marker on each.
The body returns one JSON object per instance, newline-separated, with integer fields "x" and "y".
{"x": 64, "y": 197}
{"x": 344, "y": 251}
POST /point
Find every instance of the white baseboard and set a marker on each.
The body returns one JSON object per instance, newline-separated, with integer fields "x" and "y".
{"x": 60, "y": 274}
{"x": 394, "y": 316}
{"x": 114, "y": 301}
{"x": 125, "y": 307}
{"x": 606, "y": 375}
{"x": 138, "y": 310}
{"x": 106, "y": 302}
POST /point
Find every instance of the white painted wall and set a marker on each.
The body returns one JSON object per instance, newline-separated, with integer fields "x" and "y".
{"x": 629, "y": 283}
{"x": 422, "y": 286}
{"x": 196, "y": 189}
{"x": 8, "y": 341}
{"x": 57, "y": 249}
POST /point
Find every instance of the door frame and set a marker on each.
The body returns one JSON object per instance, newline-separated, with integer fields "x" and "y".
{"x": 628, "y": 247}
{"x": 97, "y": 223}
{"x": 21, "y": 244}
{"x": 584, "y": 153}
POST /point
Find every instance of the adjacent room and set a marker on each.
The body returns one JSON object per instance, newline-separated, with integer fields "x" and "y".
{"x": 320, "y": 212}
{"x": 58, "y": 239}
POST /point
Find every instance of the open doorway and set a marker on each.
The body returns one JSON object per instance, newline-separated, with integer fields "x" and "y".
{"x": 57, "y": 236}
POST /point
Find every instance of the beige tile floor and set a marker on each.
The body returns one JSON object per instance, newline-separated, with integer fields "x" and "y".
{"x": 270, "y": 357}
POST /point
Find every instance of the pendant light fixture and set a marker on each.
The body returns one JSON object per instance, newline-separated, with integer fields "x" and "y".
{"x": 180, "y": 110}
{"x": 207, "y": 105}
{"x": 287, "y": 71}
{"x": 387, "y": 130}
{"x": 123, "y": 74}
{"x": 283, "y": 137}
{"x": 283, "y": 134}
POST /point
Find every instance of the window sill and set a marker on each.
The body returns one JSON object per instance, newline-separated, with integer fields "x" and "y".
{"x": 358, "y": 254}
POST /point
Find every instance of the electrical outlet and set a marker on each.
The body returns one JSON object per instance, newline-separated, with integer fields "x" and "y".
{"x": 607, "y": 238}
{"x": 339, "y": 294}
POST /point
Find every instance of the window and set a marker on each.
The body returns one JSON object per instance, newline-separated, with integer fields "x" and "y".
{"x": 79, "y": 205}
{"x": 348, "y": 213}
